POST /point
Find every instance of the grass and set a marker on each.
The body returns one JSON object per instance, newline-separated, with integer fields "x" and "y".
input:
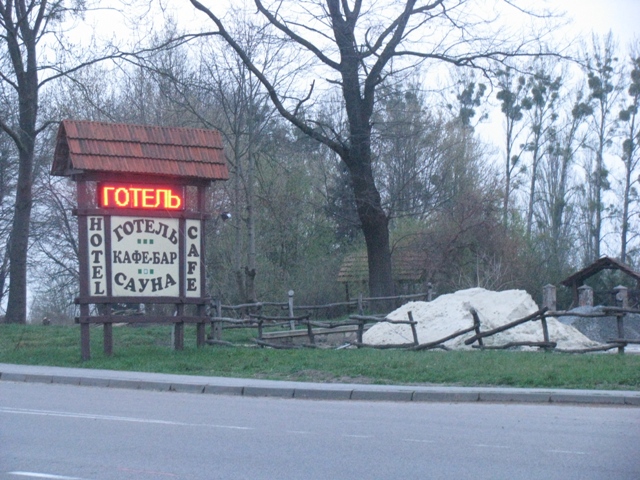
{"x": 149, "y": 349}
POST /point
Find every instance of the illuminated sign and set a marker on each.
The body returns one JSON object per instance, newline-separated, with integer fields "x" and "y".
{"x": 141, "y": 197}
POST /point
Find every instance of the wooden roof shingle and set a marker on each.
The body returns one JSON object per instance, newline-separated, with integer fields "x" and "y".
{"x": 85, "y": 146}
{"x": 603, "y": 263}
{"x": 406, "y": 265}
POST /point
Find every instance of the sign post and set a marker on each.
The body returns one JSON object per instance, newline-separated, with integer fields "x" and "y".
{"x": 140, "y": 225}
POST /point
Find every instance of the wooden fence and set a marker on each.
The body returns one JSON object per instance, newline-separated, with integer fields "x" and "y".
{"x": 358, "y": 323}
{"x": 252, "y": 315}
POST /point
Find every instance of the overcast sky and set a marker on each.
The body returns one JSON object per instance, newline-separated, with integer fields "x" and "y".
{"x": 622, "y": 17}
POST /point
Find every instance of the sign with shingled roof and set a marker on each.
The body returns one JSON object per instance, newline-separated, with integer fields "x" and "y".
{"x": 141, "y": 210}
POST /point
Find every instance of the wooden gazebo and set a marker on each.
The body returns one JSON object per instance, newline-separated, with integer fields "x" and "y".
{"x": 575, "y": 281}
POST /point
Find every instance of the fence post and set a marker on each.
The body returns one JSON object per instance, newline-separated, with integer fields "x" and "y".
{"x": 413, "y": 328}
{"x": 360, "y": 304}
{"x": 476, "y": 325}
{"x": 108, "y": 334}
{"x": 549, "y": 297}
{"x": 622, "y": 299}
{"x": 291, "y": 315}
{"x": 216, "y": 327}
{"x": 360, "y": 334}
{"x": 429, "y": 291}
{"x": 585, "y": 296}
{"x": 312, "y": 339}
{"x": 548, "y": 301}
{"x": 260, "y": 331}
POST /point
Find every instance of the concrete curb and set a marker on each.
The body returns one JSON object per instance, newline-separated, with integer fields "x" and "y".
{"x": 384, "y": 395}
{"x": 310, "y": 391}
{"x": 319, "y": 394}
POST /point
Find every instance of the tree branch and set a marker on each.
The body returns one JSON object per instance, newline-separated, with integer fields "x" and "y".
{"x": 294, "y": 36}
{"x": 273, "y": 95}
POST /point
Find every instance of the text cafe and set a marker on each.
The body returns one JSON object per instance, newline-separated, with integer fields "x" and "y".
{"x": 143, "y": 199}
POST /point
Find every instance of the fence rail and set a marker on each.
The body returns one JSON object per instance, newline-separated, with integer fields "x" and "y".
{"x": 358, "y": 323}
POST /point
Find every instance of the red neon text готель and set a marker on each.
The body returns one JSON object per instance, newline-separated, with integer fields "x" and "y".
{"x": 147, "y": 198}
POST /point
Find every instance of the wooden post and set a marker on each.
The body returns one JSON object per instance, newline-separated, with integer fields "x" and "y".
{"x": 260, "y": 330}
{"x": 476, "y": 325}
{"x": 312, "y": 339}
{"x": 219, "y": 324}
{"x": 201, "y": 326}
{"x": 429, "y": 291}
{"x": 85, "y": 333}
{"x": 360, "y": 331}
{"x": 545, "y": 328}
{"x": 413, "y": 328}
{"x": 622, "y": 299}
{"x": 82, "y": 192}
{"x": 201, "y": 309}
{"x": 360, "y": 304}
{"x": 178, "y": 330}
{"x": 292, "y": 323}
{"x": 549, "y": 297}
{"x": 216, "y": 327}
{"x": 548, "y": 301}
{"x": 585, "y": 296}
{"x": 107, "y": 341}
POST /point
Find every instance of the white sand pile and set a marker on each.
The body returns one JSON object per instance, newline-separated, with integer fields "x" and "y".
{"x": 448, "y": 314}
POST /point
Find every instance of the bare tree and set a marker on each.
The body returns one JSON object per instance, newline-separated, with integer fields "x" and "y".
{"x": 542, "y": 95}
{"x": 220, "y": 92}
{"x": 554, "y": 213}
{"x": 630, "y": 148}
{"x": 243, "y": 114}
{"x": 409, "y": 146}
{"x": 604, "y": 85}
{"x": 8, "y": 166}
{"x": 54, "y": 251}
{"x": 29, "y": 30}
{"x": 511, "y": 93}
{"x": 357, "y": 46}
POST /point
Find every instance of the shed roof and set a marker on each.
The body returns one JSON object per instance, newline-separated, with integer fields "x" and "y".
{"x": 406, "y": 265}
{"x": 604, "y": 263}
{"x": 84, "y": 146}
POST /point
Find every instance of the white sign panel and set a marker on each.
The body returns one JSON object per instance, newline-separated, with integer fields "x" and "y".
{"x": 145, "y": 256}
{"x": 193, "y": 257}
{"x": 97, "y": 256}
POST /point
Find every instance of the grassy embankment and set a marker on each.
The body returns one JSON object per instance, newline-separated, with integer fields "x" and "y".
{"x": 149, "y": 349}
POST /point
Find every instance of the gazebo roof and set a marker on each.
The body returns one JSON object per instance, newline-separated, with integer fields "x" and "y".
{"x": 604, "y": 263}
{"x": 84, "y": 146}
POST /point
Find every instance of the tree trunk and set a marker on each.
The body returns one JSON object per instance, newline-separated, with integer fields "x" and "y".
{"x": 374, "y": 224}
{"x": 17, "y": 302}
{"x": 250, "y": 270}
{"x": 19, "y": 243}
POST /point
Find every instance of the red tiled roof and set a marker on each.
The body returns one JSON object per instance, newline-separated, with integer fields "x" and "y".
{"x": 119, "y": 148}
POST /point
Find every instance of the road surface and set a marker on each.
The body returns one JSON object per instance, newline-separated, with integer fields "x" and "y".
{"x": 74, "y": 432}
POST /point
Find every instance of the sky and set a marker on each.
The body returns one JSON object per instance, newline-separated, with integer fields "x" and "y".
{"x": 622, "y": 17}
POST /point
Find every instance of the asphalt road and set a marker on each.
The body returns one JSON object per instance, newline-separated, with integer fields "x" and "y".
{"x": 75, "y": 432}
